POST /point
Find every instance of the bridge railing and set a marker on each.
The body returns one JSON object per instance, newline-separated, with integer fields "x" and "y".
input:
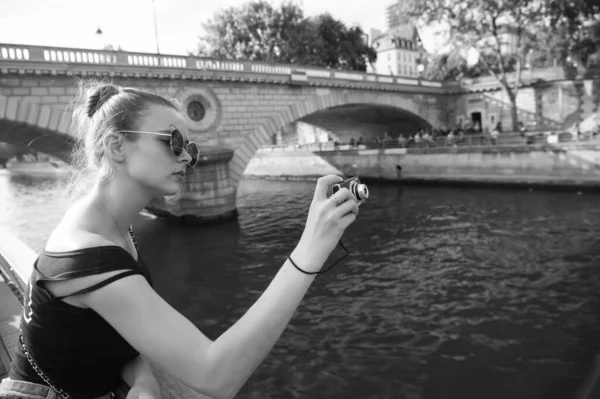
{"x": 20, "y": 53}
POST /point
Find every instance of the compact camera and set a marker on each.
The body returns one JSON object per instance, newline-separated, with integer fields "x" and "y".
{"x": 360, "y": 191}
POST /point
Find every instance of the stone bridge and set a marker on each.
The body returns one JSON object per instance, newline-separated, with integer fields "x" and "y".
{"x": 232, "y": 108}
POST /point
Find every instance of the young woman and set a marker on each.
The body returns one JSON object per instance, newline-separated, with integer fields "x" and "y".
{"x": 91, "y": 317}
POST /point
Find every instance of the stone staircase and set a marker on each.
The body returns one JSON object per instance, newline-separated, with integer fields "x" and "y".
{"x": 525, "y": 105}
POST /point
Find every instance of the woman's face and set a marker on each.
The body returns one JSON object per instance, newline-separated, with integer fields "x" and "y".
{"x": 150, "y": 162}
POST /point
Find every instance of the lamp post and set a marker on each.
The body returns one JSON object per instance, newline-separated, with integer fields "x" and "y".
{"x": 99, "y": 36}
{"x": 155, "y": 27}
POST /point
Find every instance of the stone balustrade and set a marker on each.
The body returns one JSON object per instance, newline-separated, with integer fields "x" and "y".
{"x": 33, "y": 58}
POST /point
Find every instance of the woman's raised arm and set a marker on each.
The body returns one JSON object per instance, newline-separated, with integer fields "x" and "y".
{"x": 220, "y": 368}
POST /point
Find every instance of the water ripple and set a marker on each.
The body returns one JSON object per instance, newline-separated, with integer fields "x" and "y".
{"x": 447, "y": 293}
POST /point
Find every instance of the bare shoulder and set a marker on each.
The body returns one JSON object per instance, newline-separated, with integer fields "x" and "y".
{"x": 76, "y": 230}
{"x": 73, "y": 238}
{"x": 73, "y": 233}
{"x": 68, "y": 287}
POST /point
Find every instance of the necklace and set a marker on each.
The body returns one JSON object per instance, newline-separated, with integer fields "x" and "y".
{"x": 118, "y": 228}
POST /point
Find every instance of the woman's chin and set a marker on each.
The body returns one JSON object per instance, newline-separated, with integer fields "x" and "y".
{"x": 172, "y": 190}
{"x": 167, "y": 190}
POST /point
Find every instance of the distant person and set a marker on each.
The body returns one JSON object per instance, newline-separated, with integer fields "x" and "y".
{"x": 91, "y": 316}
{"x": 460, "y": 138}
{"x": 386, "y": 138}
{"x": 418, "y": 139}
{"x": 522, "y": 129}
{"x": 450, "y": 138}
{"x": 494, "y": 134}
{"x": 426, "y": 139}
{"x": 576, "y": 132}
{"x": 401, "y": 141}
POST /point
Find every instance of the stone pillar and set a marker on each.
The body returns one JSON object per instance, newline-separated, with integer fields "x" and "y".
{"x": 207, "y": 195}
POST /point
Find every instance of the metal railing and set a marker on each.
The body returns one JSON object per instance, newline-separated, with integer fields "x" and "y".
{"x": 506, "y": 139}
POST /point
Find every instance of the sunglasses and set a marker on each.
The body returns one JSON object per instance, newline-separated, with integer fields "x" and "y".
{"x": 176, "y": 142}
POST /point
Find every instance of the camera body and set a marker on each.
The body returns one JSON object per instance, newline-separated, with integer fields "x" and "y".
{"x": 359, "y": 190}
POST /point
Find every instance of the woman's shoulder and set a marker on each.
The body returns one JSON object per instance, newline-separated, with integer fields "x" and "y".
{"x": 74, "y": 238}
{"x": 81, "y": 256}
{"x": 76, "y": 231}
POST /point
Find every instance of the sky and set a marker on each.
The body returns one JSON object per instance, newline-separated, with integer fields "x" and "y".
{"x": 130, "y": 23}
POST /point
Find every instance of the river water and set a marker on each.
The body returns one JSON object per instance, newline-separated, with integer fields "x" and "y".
{"x": 447, "y": 293}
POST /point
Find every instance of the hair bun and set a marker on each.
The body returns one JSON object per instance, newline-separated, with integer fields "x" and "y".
{"x": 101, "y": 96}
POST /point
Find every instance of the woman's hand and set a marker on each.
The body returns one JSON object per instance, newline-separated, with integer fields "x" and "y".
{"x": 327, "y": 220}
{"x": 142, "y": 392}
{"x": 138, "y": 374}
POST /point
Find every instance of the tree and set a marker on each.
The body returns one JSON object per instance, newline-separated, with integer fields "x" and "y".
{"x": 338, "y": 46}
{"x": 502, "y": 31}
{"x": 254, "y": 31}
{"x": 111, "y": 47}
{"x": 575, "y": 34}
{"x": 258, "y": 31}
{"x": 449, "y": 66}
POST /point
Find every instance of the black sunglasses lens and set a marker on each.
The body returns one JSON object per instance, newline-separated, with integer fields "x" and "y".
{"x": 194, "y": 152}
{"x": 176, "y": 142}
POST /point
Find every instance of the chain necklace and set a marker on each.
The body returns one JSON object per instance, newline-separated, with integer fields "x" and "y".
{"x": 28, "y": 355}
{"x": 118, "y": 228}
{"x": 39, "y": 371}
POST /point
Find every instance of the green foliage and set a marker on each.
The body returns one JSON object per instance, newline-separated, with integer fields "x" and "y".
{"x": 545, "y": 30}
{"x": 485, "y": 25}
{"x": 510, "y": 35}
{"x": 574, "y": 36}
{"x": 449, "y": 66}
{"x": 261, "y": 32}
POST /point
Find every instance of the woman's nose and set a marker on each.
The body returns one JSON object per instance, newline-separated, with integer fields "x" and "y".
{"x": 185, "y": 157}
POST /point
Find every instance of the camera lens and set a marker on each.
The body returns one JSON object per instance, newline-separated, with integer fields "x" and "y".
{"x": 362, "y": 192}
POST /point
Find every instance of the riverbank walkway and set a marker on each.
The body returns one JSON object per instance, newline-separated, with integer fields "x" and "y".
{"x": 507, "y": 139}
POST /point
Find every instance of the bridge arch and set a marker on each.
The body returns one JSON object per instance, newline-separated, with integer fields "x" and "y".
{"x": 46, "y": 127}
{"x": 264, "y": 130}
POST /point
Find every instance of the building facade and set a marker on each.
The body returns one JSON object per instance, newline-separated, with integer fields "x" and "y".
{"x": 398, "y": 51}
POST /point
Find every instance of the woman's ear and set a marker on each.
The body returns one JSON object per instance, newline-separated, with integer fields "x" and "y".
{"x": 113, "y": 147}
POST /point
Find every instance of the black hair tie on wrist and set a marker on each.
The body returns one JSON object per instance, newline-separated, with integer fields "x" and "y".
{"x": 326, "y": 270}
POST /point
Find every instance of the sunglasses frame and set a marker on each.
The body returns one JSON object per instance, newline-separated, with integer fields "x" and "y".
{"x": 170, "y": 135}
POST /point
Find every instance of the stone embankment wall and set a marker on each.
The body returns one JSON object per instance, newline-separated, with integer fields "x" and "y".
{"x": 288, "y": 162}
{"x": 576, "y": 165}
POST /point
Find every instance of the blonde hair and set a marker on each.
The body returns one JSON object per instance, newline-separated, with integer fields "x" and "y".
{"x": 101, "y": 108}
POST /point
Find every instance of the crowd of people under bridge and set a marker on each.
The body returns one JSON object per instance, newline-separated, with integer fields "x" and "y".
{"x": 433, "y": 137}
{"x": 427, "y": 138}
